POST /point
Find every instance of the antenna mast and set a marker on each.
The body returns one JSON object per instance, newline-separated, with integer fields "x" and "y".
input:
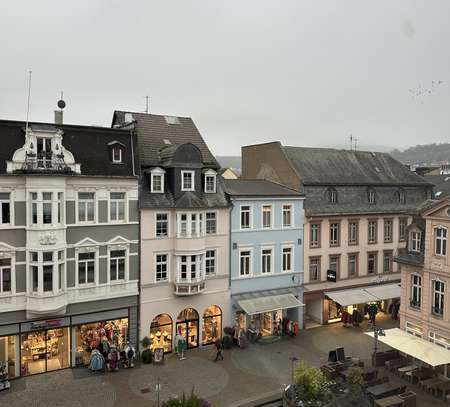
{"x": 146, "y": 104}
{"x": 28, "y": 101}
{"x": 351, "y": 142}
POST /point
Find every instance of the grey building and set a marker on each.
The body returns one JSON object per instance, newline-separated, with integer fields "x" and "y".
{"x": 69, "y": 239}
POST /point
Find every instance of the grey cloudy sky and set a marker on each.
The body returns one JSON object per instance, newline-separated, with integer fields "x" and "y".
{"x": 306, "y": 72}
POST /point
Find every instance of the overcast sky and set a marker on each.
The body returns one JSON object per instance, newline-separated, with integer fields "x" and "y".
{"x": 305, "y": 72}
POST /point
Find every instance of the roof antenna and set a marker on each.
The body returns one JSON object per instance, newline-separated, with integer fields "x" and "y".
{"x": 28, "y": 102}
{"x": 356, "y": 144}
{"x": 146, "y": 104}
{"x": 351, "y": 142}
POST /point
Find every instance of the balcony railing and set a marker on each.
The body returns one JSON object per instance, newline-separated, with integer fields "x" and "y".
{"x": 193, "y": 287}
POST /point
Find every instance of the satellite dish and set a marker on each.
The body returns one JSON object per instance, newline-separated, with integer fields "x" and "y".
{"x": 61, "y": 104}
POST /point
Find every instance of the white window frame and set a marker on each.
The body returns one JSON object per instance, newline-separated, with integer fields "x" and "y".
{"x": 263, "y": 207}
{"x": 271, "y": 264}
{"x": 443, "y": 239}
{"x": 416, "y": 287}
{"x": 87, "y": 249}
{"x": 160, "y": 173}
{"x": 114, "y": 149}
{"x": 12, "y": 274}
{"x": 127, "y": 263}
{"x": 85, "y": 201}
{"x": 199, "y": 267}
{"x": 415, "y": 241}
{"x": 291, "y": 263}
{"x": 441, "y": 294}
{"x": 413, "y": 329}
{"x": 156, "y": 225}
{"x": 167, "y": 263}
{"x": 216, "y": 220}
{"x": 214, "y": 258}
{"x": 116, "y": 202}
{"x": 291, "y": 214}
{"x": 183, "y": 173}
{"x": 442, "y": 343}
{"x": 250, "y": 217}
{"x": 250, "y": 263}
{"x": 210, "y": 174}
{"x": 11, "y": 205}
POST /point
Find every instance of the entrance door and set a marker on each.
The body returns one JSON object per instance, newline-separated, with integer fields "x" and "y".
{"x": 187, "y": 326}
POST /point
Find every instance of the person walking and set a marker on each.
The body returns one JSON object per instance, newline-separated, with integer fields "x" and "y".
{"x": 219, "y": 348}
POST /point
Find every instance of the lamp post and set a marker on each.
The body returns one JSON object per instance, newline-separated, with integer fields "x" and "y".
{"x": 293, "y": 359}
{"x": 376, "y": 333}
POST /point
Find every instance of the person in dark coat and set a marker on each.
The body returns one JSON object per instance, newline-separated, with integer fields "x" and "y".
{"x": 219, "y": 348}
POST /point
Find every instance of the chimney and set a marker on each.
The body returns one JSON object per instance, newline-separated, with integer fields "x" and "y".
{"x": 58, "y": 117}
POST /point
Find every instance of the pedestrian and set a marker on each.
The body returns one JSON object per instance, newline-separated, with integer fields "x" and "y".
{"x": 219, "y": 348}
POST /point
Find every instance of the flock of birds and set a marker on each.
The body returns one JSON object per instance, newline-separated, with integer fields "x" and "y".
{"x": 422, "y": 92}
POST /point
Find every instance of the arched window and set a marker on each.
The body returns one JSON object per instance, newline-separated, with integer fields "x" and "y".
{"x": 187, "y": 326}
{"x": 161, "y": 333}
{"x": 332, "y": 196}
{"x": 212, "y": 324}
{"x": 371, "y": 197}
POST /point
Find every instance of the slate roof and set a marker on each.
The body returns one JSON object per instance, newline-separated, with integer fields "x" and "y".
{"x": 153, "y": 129}
{"x": 405, "y": 257}
{"x": 248, "y": 188}
{"x": 88, "y": 144}
{"x": 333, "y": 167}
{"x": 441, "y": 185}
{"x": 187, "y": 200}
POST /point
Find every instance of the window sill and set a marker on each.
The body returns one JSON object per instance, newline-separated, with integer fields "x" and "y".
{"x": 117, "y": 282}
{"x": 414, "y": 307}
{"x": 437, "y": 316}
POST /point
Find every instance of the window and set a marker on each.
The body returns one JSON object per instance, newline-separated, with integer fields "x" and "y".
{"x": 353, "y": 232}
{"x": 47, "y": 271}
{"x": 86, "y": 206}
{"x": 187, "y": 180}
{"x": 287, "y": 216}
{"x": 352, "y": 265}
{"x": 314, "y": 268}
{"x": 190, "y": 268}
{"x": 34, "y": 208}
{"x": 332, "y": 196}
{"x": 183, "y": 224}
{"x": 47, "y": 207}
{"x": 372, "y": 231}
{"x": 334, "y": 265}
{"x": 402, "y": 229}
{"x": 438, "y": 298}
{"x": 371, "y": 196}
{"x": 401, "y": 196}
{"x": 245, "y": 217}
{"x": 371, "y": 263}
{"x": 439, "y": 340}
{"x": 210, "y": 262}
{"x": 5, "y": 209}
{"x": 157, "y": 180}
{"x": 415, "y": 241}
{"x": 315, "y": 235}
{"x": 183, "y": 268}
{"x": 117, "y": 265}
{"x": 245, "y": 263}
{"x": 211, "y": 223}
{"x": 287, "y": 258}
{"x": 116, "y": 155}
{"x": 117, "y": 206}
{"x": 267, "y": 216}
{"x": 266, "y": 261}
{"x": 161, "y": 267}
{"x": 5, "y": 275}
{"x": 387, "y": 230}
{"x": 334, "y": 234}
{"x": 440, "y": 241}
{"x": 416, "y": 291}
{"x": 86, "y": 268}
{"x": 210, "y": 182}
{"x": 60, "y": 207}
{"x": 387, "y": 262}
{"x": 414, "y": 329}
{"x": 162, "y": 225}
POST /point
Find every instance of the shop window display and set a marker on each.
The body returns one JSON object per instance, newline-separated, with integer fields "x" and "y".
{"x": 161, "y": 333}
{"x": 44, "y": 351}
{"x": 8, "y": 354}
{"x": 212, "y": 324}
{"x": 99, "y": 335}
{"x": 187, "y": 326}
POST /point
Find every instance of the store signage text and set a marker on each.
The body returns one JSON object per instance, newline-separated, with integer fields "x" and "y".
{"x": 331, "y": 276}
{"x": 52, "y": 323}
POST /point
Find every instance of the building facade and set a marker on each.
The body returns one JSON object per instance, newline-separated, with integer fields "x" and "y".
{"x": 69, "y": 236}
{"x": 185, "y": 219}
{"x": 425, "y": 271}
{"x": 266, "y": 255}
{"x": 357, "y": 208}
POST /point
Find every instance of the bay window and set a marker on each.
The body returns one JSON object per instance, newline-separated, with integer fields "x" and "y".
{"x": 190, "y": 268}
{"x": 211, "y": 223}
{"x": 46, "y": 272}
{"x": 210, "y": 262}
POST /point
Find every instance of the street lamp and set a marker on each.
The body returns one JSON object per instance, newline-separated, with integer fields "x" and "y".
{"x": 376, "y": 333}
{"x": 293, "y": 359}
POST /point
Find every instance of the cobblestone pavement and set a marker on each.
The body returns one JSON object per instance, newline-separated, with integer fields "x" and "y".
{"x": 244, "y": 373}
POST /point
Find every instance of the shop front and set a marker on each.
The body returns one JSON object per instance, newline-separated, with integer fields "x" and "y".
{"x": 41, "y": 346}
{"x": 188, "y": 327}
{"x": 161, "y": 333}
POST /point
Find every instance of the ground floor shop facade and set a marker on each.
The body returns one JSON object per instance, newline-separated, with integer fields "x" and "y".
{"x": 328, "y": 305}
{"x": 198, "y": 319}
{"x": 30, "y": 347}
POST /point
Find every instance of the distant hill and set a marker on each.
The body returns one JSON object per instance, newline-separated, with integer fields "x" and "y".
{"x": 424, "y": 155}
{"x": 229, "y": 161}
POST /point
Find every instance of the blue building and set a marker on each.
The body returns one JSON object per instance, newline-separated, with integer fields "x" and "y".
{"x": 266, "y": 276}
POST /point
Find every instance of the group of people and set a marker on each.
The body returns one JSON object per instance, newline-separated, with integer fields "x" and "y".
{"x": 110, "y": 358}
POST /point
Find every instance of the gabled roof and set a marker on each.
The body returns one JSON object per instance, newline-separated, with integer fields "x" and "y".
{"x": 257, "y": 188}
{"x": 441, "y": 185}
{"x": 333, "y": 167}
{"x": 155, "y": 134}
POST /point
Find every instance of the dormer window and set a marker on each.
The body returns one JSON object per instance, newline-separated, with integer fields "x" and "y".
{"x": 401, "y": 196}
{"x": 415, "y": 241}
{"x": 187, "y": 180}
{"x": 332, "y": 196}
{"x": 117, "y": 155}
{"x": 371, "y": 196}
{"x": 157, "y": 180}
{"x": 210, "y": 182}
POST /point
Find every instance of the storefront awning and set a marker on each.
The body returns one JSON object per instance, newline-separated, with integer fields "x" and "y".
{"x": 270, "y": 303}
{"x": 365, "y": 294}
{"x": 418, "y": 348}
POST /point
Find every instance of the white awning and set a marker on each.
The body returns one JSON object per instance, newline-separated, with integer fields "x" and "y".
{"x": 418, "y": 348}
{"x": 385, "y": 291}
{"x": 362, "y": 295}
{"x": 351, "y": 296}
{"x": 270, "y": 303}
